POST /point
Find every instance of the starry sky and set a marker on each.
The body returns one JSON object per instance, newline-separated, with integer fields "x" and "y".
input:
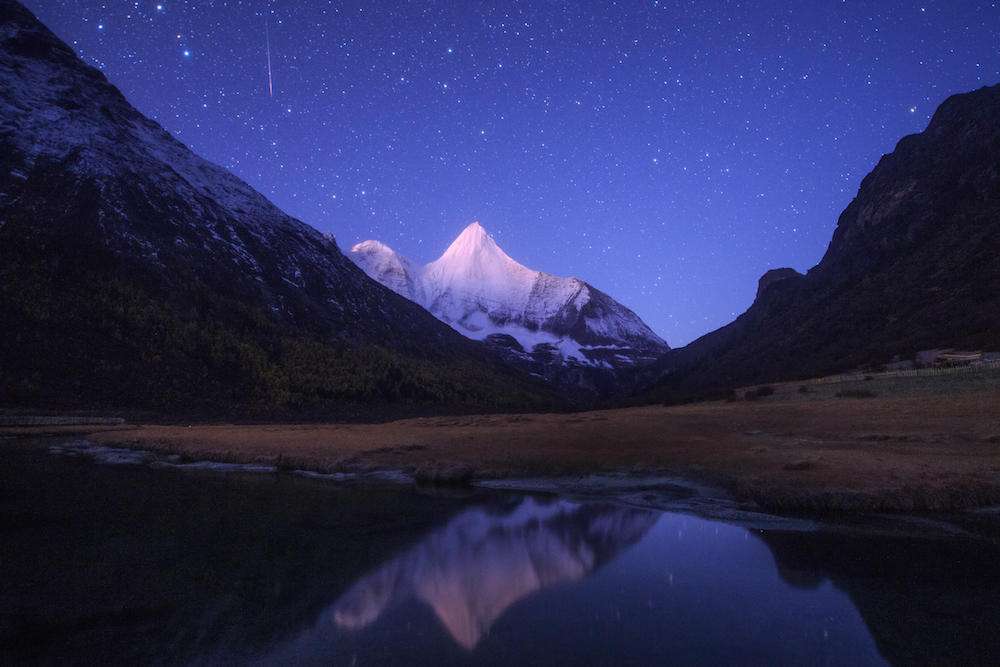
{"x": 669, "y": 152}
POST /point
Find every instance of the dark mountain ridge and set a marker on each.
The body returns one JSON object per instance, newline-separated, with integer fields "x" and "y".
{"x": 914, "y": 264}
{"x": 135, "y": 274}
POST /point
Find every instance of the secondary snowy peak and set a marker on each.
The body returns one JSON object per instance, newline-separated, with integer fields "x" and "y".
{"x": 388, "y": 267}
{"x": 481, "y": 291}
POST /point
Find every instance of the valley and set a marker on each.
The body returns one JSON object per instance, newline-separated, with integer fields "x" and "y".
{"x": 232, "y": 431}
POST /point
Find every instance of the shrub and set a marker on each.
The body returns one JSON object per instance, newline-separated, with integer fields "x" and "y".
{"x": 856, "y": 393}
{"x": 758, "y": 393}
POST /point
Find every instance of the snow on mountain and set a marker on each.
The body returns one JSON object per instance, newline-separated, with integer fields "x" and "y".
{"x": 481, "y": 291}
{"x": 389, "y": 268}
{"x": 136, "y": 274}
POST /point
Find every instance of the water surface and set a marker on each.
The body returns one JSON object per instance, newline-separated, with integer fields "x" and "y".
{"x": 124, "y": 563}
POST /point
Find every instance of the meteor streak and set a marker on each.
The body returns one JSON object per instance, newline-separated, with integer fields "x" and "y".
{"x": 267, "y": 38}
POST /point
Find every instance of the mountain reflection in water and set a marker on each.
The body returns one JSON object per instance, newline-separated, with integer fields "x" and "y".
{"x": 105, "y": 564}
{"x": 481, "y": 562}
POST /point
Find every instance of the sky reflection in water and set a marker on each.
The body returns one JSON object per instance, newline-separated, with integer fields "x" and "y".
{"x": 589, "y": 580}
{"x": 129, "y": 564}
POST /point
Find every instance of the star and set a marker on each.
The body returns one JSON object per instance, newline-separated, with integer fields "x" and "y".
{"x": 720, "y": 128}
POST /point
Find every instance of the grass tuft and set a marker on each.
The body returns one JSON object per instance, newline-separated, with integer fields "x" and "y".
{"x": 856, "y": 393}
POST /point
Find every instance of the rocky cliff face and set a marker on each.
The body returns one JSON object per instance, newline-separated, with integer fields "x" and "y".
{"x": 913, "y": 264}
{"x": 486, "y": 295}
{"x": 773, "y": 276}
{"x": 134, "y": 273}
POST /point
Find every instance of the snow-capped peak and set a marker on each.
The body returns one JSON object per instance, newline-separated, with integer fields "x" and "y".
{"x": 475, "y": 265}
{"x": 372, "y": 247}
{"x": 474, "y": 245}
{"x": 475, "y": 256}
{"x": 388, "y": 267}
{"x": 480, "y": 290}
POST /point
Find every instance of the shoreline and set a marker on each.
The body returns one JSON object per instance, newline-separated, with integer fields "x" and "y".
{"x": 632, "y": 489}
{"x": 917, "y": 451}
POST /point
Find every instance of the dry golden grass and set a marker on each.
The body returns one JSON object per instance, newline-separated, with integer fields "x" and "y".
{"x": 917, "y": 451}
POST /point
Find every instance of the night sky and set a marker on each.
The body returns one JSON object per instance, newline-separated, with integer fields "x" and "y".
{"x": 667, "y": 152}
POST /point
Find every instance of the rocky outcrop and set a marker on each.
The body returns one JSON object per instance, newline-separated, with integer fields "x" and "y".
{"x": 773, "y": 276}
{"x": 913, "y": 264}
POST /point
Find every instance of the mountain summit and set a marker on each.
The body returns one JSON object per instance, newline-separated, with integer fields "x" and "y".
{"x": 135, "y": 274}
{"x": 485, "y": 294}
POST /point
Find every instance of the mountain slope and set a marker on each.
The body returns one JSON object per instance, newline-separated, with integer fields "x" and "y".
{"x": 135, "y": 274}
{"x": 485, "y": 294}
{"x": 914, "y": 264}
